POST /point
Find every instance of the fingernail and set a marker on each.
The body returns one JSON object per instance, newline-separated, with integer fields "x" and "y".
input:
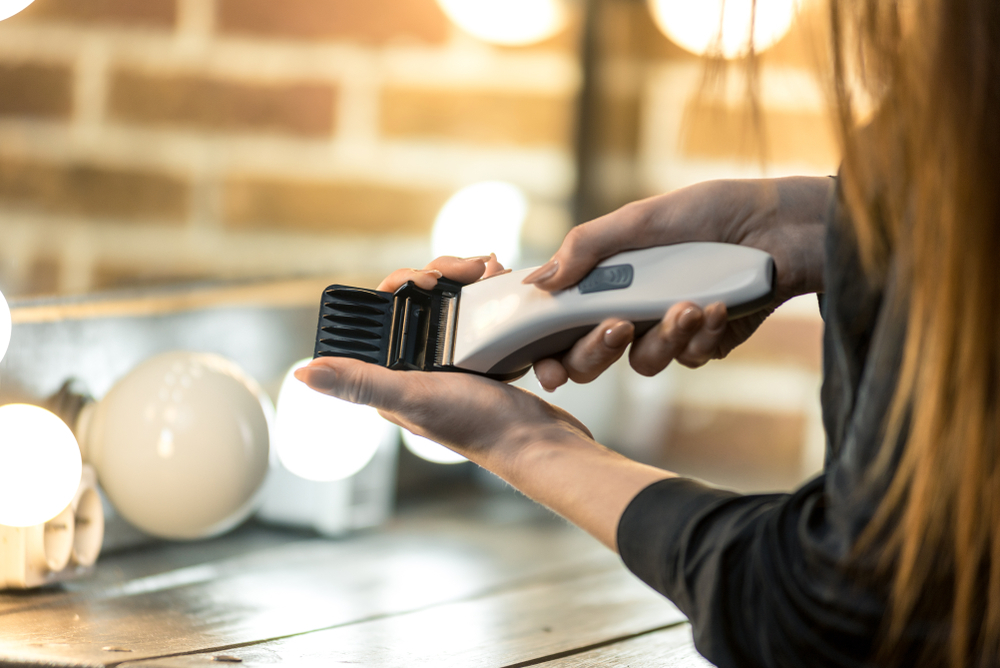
{"x": 477, "y": 258}
{"x": 543, "y": 273}
{"x": 317, "y": 377}
{"x": 689, "y": 318}
{"x": 618, "y": 335}
{"x": 430, "y": 272}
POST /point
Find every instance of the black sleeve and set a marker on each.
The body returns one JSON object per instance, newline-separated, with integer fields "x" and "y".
{"x": 751, "y": 572}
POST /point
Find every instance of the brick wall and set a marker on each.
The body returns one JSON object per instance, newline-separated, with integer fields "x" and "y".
{"x": 149, "y": 141}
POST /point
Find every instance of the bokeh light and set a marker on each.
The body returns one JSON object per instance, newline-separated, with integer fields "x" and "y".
{"x": 4, "y": 326}
{"x": 40, "y": 465}
{"x": 694, "y": 25}
{"x": 427, "y": 449}
{"x": 322, "y": 438}
{"x": 480, "y": 219}
{"x": 508, "y": 22}
{"x": 10, "y": 7}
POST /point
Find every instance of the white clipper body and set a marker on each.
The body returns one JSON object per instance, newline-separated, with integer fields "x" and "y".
{"x": 503, "y": 325}
{"x": 499, "y": 326}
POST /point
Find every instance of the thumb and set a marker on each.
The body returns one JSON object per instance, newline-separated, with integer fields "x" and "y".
{"x": 354, "y": 381}
{"x": 586, "y": 245}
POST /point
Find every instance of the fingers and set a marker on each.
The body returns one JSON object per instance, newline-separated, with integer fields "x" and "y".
{"x": 354, "y": 381}
{"x": 584, "y": 247}
{"x": 494, "y": 268}
{"x": 686, "y": 334}
{"x": 462, "y": 270}
{"x": 589, "y": 357}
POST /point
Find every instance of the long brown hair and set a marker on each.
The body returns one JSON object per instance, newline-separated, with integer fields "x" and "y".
{"x": 922, "y": 182}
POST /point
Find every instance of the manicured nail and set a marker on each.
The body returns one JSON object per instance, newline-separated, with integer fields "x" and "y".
{"x": 317, "y": 377}
{"x": 543, "y": 273}
{"x": 477, "y": 258}
{"x": 618, "y": 335}
{"x": 689, "y": 318}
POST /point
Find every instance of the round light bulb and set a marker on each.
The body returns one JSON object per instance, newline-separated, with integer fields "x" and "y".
{"x": 322, "y": 438}
{"x": 482, "y": 218}
{"x": 696, "y": 25}
{"x": 10, "y": 7}
{"x": 507, "y": 22}
{"x": 427, "y": 449}
{"x": 40, "y": 465}
{"x": 4, "y": 326}
{"x": 180, "y": 444}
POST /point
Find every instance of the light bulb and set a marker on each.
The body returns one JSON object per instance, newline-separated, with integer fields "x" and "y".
{"x": 427, "y": 449}
{"x": 40, "y": 465}
{"x": 695, "y": 25}
{"x": 322, "y": 438}
{"x": 479, "y": 219}
{"x": 180, "y": 444}
{"x": 10, "y": 7}
{"x": 507, "y": 22}
{"x": 4, "y": 326}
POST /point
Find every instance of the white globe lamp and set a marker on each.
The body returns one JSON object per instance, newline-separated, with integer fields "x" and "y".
{"x": 482, "y": 218}
{"x": 508, "y": 22}
{"x": 723, "y": 27}
{"x": 180, "y": 444}
{"x": 40, "y": 465}
{"x": 430, "y": 450}
{"x": 10, "y": 7}
{"x": 322, "y": 438}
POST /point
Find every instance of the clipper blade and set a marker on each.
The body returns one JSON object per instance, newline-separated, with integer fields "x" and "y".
{"x": 412, "y": 328}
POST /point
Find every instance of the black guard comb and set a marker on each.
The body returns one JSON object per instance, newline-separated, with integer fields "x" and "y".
{"x": 411, "y": 328}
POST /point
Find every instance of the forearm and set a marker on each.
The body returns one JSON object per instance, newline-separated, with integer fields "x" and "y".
{"x": 576, "y": 477}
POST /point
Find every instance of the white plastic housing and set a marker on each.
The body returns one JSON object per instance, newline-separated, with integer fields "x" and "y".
{"x": 501, "y": 317}
{"x": 64, "y": 547}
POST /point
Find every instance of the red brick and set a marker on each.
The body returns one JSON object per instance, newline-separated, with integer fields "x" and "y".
{"x": 110, "y": 275}
{"x": 35, "y": 90}
{"x": 369, "y": 21}
{"x": 488, "y": 118}
{"x": 741, "y": 449}
{"x": 139, "y": 13}
{"x": 302, "y": 109}
{"x": 359, "y": 208}
{"x": 88, "y": 191}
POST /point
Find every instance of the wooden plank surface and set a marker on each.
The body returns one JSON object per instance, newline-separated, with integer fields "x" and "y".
{"x": 465, "y": 588}
{"x": 667, "y": 648}
{"x": 513, "y": 627}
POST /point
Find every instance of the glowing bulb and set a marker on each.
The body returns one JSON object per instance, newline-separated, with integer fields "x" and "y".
{"x": 507, "y": 22}
{"x": 480, "y": 219}
{"x": 427, "y": 449}
{"x": 695, "y": 24}
{"x": 40, "y": 465}
{"x": 180, "y": 444}
{"x": 322, "y": 438}
{"x": 10, "y": 7}
{"x": 4, "y": 326}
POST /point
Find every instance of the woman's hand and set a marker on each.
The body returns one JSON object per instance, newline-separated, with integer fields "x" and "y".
{"x": 784, "y": 217}
{"x": 538, "y": 448}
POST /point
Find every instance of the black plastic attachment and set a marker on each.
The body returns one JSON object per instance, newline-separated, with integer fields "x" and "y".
{"x": 402, "y": 330}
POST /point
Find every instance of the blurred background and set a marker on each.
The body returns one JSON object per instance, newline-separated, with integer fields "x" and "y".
{"x": 152, "y": 143}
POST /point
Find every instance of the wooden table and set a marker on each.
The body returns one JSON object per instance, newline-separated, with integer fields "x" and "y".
{"x": 494, "y": 582}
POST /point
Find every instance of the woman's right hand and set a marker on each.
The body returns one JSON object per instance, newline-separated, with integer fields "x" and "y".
{"x": 784, "y": 217}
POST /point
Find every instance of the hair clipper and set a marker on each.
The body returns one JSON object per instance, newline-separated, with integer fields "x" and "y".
{"x": 498, "y": 326}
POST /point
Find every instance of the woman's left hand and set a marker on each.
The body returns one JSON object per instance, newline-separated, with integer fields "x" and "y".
{"x": 480, "y": 418}
{"x": 538, "y": 448}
